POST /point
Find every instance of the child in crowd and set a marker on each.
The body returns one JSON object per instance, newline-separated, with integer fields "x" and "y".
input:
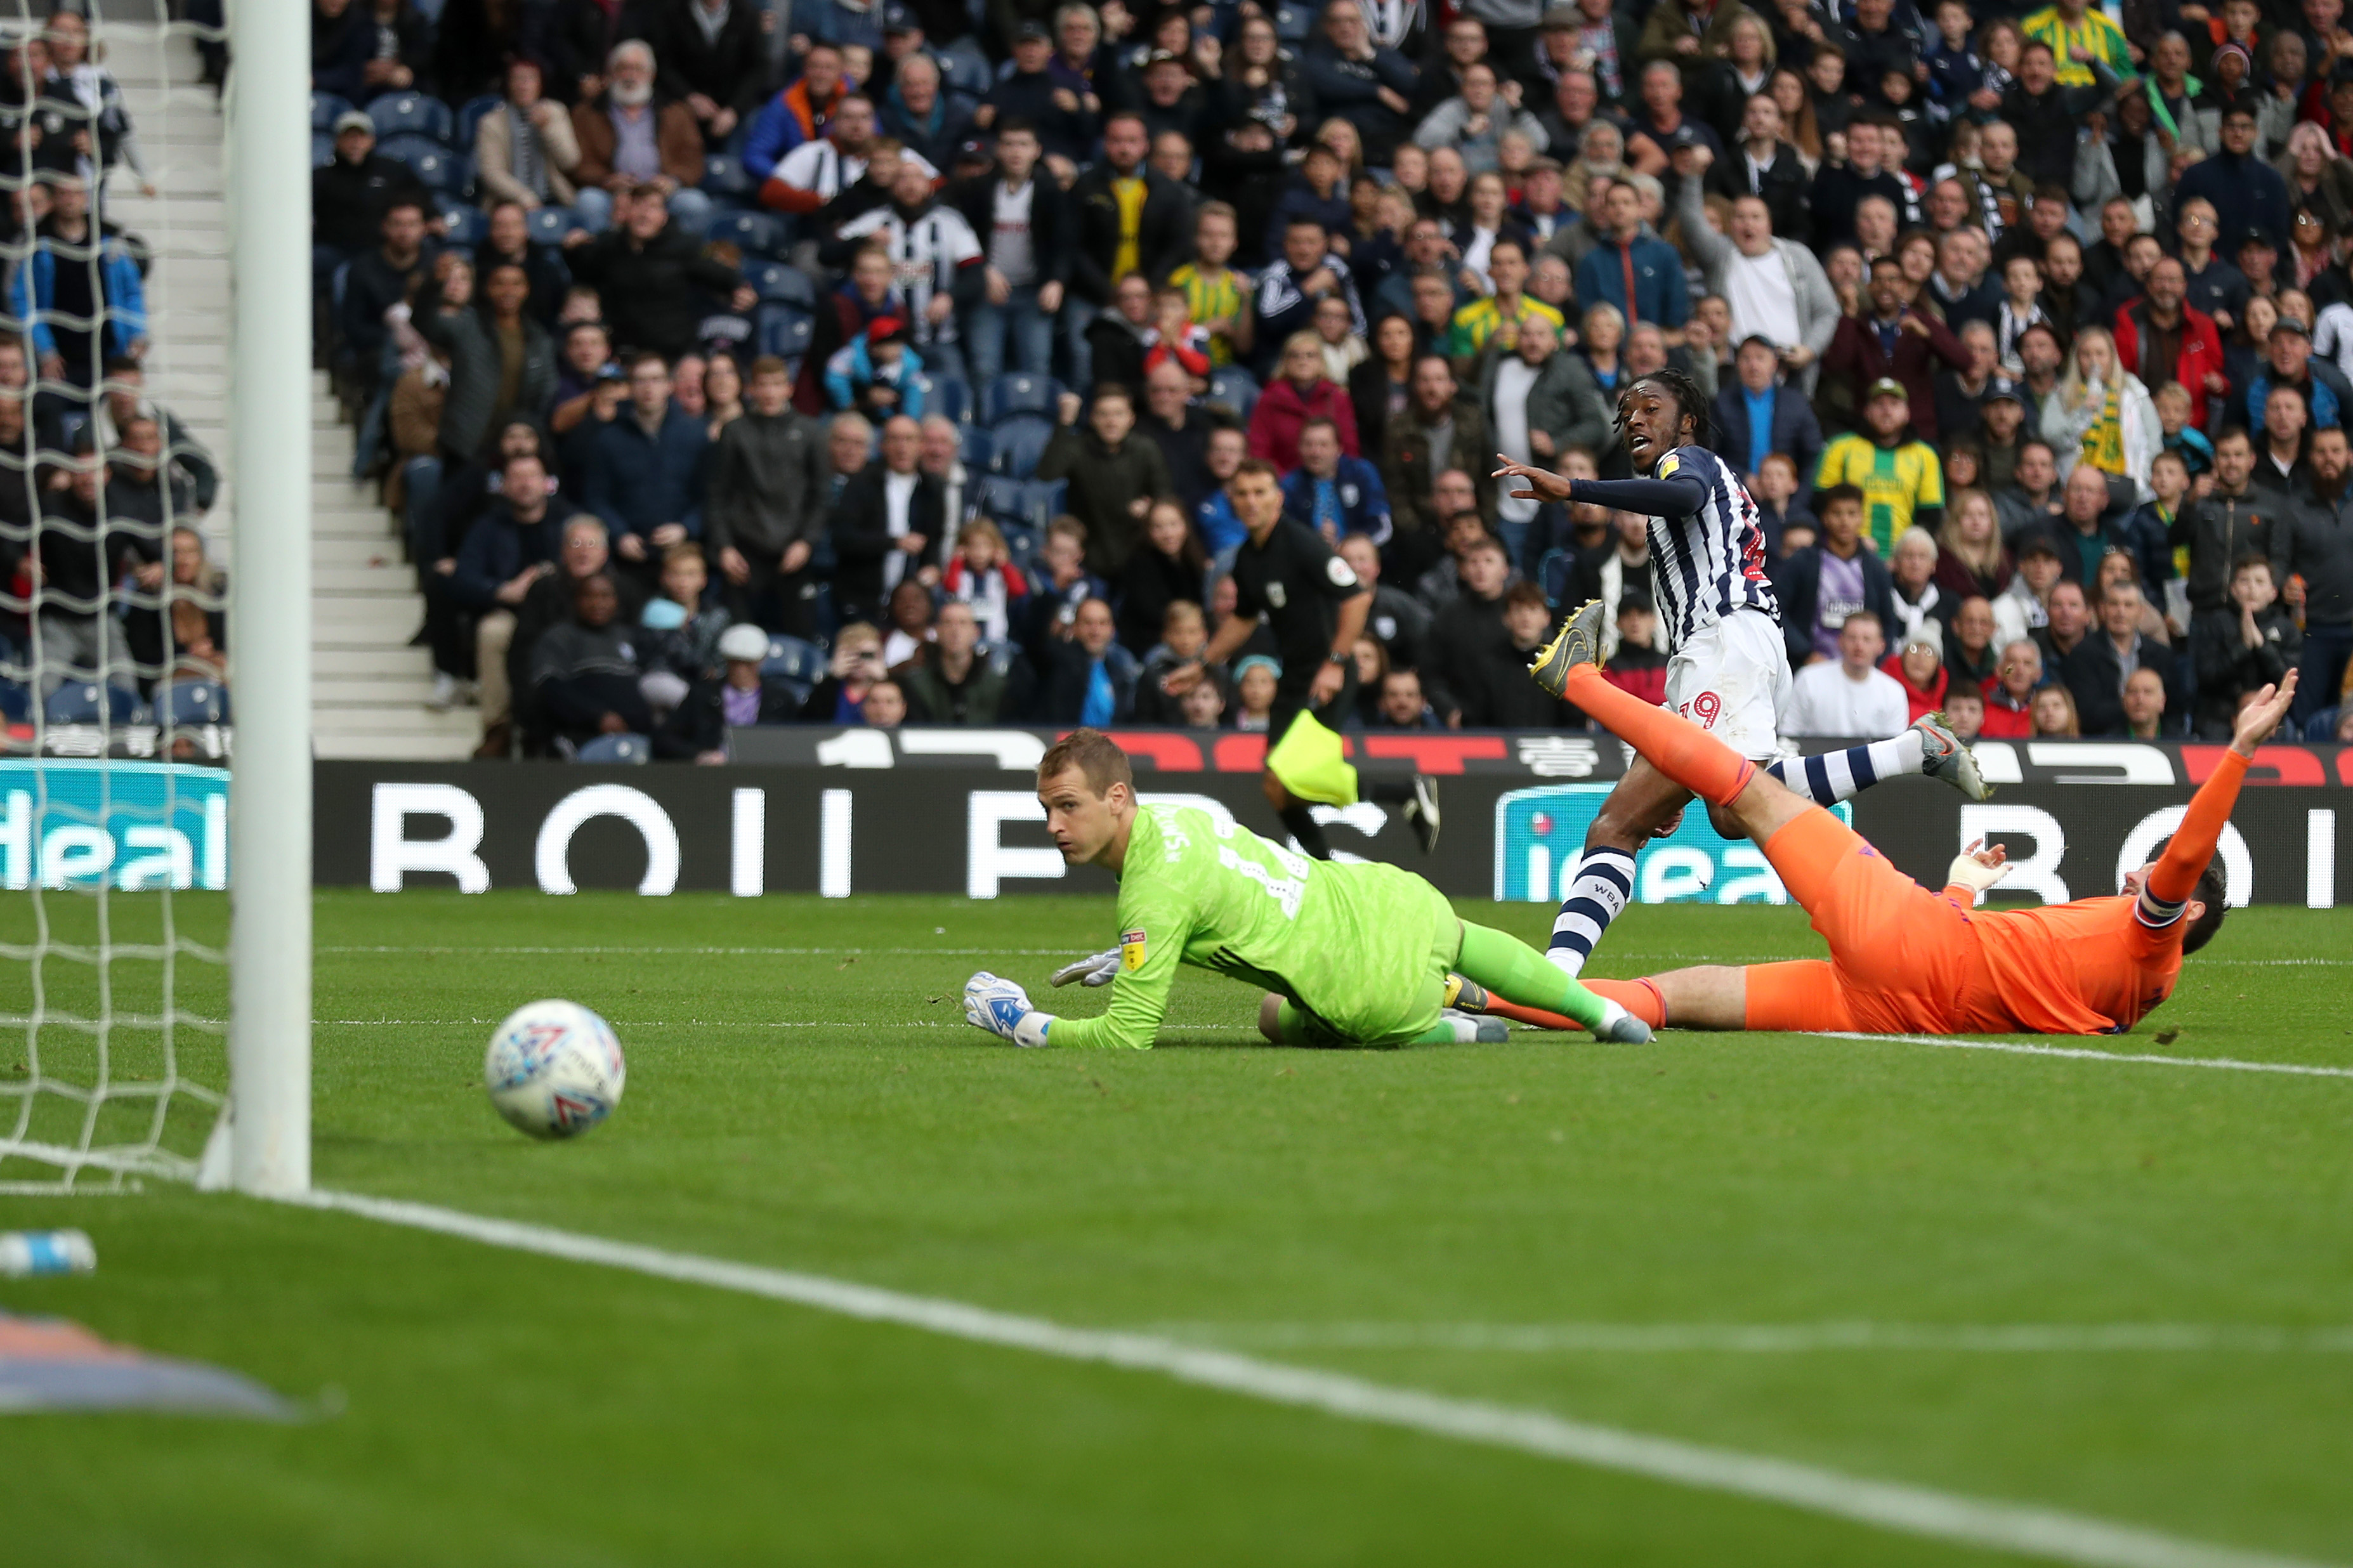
{"x": 2184, "y": 439}
{"x": 1955, "y": 73}
{"x": 1204, "y": 706}
{"x": 876, "y": 372}
{"x": 681, "y": 642}
{"x": 1217, "y": 297}
{"x": 1184, "y": 633}
{"x": 1054, "y": 601}
{"x": 1344, "y": 351}
{"x": 2022, "y": 307}
{"x": 1254, "y": 682}
{"x": 1177, "y": 338}
{"x": 981, "y": 573}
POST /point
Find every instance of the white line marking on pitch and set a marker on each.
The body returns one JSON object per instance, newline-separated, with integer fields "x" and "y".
{"x": 738, "y": 951}
{"x": 1770, "y": 1339}
{"x": 2074, "y": 1053}
{"x": 1890, "y": 1505}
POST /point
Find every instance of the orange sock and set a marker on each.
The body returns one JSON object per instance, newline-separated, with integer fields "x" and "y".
{"x": 1639, "y": 997}
{"x": 1674, "y": 746}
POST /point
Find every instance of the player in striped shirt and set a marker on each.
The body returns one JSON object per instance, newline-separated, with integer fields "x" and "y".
{"x": 1727, "y": 673}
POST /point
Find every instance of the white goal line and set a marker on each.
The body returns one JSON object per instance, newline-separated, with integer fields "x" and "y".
{"x": 1772, "y": 1339}
{"x": 2020, "y": 1528}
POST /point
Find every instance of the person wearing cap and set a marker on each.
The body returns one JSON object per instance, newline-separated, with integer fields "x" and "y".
{"x": 1918, "y": 667}
{"x": 1900, "y": 477}
{"x": 2244, "y": 190}
{"x": 1757, "y": 413}
{"x": 1065, "y": 125}
{"x": 1167, "y": 96}
{"x": 736, "y": 697}
{"x": 2160, "y": 337}
{"x": 2258, "y": 263}
{"x": 349, "y": 195}
{"x": 2288, "y": 361}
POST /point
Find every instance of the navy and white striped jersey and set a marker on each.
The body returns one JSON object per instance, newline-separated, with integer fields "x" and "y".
{"x": 1708, "y": 563}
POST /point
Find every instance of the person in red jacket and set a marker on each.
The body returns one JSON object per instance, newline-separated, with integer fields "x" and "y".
{"x": 2163, "y": 318}
{"x": 2009, "y": 695}
{"x": 1300, "y": 393}
{"x": 1896, "y": 340}
{"x": 1918, "y": 667}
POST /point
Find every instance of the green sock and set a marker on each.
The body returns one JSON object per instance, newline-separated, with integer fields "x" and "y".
{"x": 1518, "y": 973}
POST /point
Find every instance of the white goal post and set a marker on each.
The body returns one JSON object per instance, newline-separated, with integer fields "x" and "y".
{"x": 270, "y": 794}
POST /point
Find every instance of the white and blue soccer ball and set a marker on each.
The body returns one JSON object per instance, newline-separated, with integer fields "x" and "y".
{"x": 554, "y": 1070}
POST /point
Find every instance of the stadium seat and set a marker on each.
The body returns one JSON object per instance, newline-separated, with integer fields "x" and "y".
{"x": 466, "y": 224}
{"x": 192, "y": 704}
{"x": 411, "y": 113}
{"x": 977, "y": 448}
{"x": 325, "y": 109}
{"x": 470, "y": 114}
{"x": 968, "y": 75}
{"x": 15, "y": 702}
{"x": 725, "y": 176}
{"x": 322, "y": 149}
{"x": 1021, "y": 548}
{"x": 1293, "y": 23}
{"x": 81, "y": 702}
{"x": 427, "y": 159}
{"x": 625, "y": 748}
{"x": 1019, "y": 441}
{"x": 948, "y": 395}
{"x": 550, "y": 225}
{"x": 784, "y": 331}
{"x": 754, "y": 234}
{"x": 1011, "y": 395}
{"x": 1041, "y": 502}
{"x": 790, "y": 658}
{"x": 780, "y": 284}
{"x": 1236, "y": 388}
{"x": 999, "y": 499}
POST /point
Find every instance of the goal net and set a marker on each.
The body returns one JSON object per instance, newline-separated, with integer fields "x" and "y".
{"x": 120, "y": 521}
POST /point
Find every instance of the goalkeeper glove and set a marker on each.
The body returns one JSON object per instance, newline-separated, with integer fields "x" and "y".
{"x": 1003, "y": 1008}
{"x": 1095, "y": 968}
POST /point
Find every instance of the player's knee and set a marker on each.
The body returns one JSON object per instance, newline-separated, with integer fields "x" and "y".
{"x": 1613, "y": 829}
{"x": 1270, "y": 1017}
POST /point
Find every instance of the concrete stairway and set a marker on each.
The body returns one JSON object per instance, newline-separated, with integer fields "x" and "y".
{"x": 369, "y": 686}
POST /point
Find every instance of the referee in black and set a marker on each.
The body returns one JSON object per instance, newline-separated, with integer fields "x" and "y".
{"x": 1286, "y": 576}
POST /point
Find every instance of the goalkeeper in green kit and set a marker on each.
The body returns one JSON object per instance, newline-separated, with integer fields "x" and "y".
{"x": 1350, "y": 953}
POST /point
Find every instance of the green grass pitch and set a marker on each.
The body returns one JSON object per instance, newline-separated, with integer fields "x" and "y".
{"x": 1375, "y": 1213}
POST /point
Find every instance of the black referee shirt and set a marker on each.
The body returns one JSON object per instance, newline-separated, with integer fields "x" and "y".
{"x": 1299, "y": 584}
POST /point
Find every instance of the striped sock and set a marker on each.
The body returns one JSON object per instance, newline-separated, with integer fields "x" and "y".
{"x": 1598, "y": 895}
{"x": 1834, "y": 775}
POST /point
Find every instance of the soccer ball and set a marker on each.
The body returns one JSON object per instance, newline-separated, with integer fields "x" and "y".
{"x": 554, "y": 1070}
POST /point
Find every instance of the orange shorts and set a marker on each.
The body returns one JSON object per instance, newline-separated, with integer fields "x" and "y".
{"x": 1903, "y": 960}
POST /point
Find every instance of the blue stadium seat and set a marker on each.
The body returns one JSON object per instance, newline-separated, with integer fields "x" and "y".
{"x": 467, "y": 224}
{"x": 428, "y": 159}
{"x": 780, "y": 284}
{"x": 1011, "y": 395}
{"x": 1042, "y": 502}
{"x": 976, "y": 446}
{"x": 1019, "y": 441}
{"x": 725, "y": 176}
{"x": 81, "y": 702}
{"x": 790, "y": 658}
{"x": 755, "y": 233}
{"x": 322, "y": 149}
{"x": 611, "y": 749}
{"x": 1293, "y": 23}
{"x": 999, "y": 499}
{"x": 411, "y": 113}
{"x": 549, "y": 225}
{"x": 325, "y": 109}
{"x": 1236, "y": 388}
{"x": 471, "y": 115}
{"x": 948, "y": 395}
{"x": 193, "y": 704}
{"x": 1021, "y": 548}
{"x": 968, "y": 75}
{"x": 15, "y": 702}
{"x": 783, "y": 331}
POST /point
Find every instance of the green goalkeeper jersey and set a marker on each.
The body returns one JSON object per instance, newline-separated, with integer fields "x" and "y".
{"x": 1365, "y": 947}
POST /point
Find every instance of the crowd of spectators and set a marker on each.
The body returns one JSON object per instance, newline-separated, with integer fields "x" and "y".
{"x": 926, "y": 341}
{"x": 109, "y": 609}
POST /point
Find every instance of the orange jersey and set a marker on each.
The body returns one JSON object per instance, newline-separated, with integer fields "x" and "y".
{"x": 2086, "y": 968}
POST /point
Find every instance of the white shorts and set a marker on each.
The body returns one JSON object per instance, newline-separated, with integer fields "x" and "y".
{"x": 1731, "y": 680}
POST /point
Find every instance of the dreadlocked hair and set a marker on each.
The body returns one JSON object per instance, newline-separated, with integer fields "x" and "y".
{"x": 1690, "y": 404}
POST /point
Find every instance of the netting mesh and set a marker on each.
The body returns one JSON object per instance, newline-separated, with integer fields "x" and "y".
{"x": 113, "y": 791}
